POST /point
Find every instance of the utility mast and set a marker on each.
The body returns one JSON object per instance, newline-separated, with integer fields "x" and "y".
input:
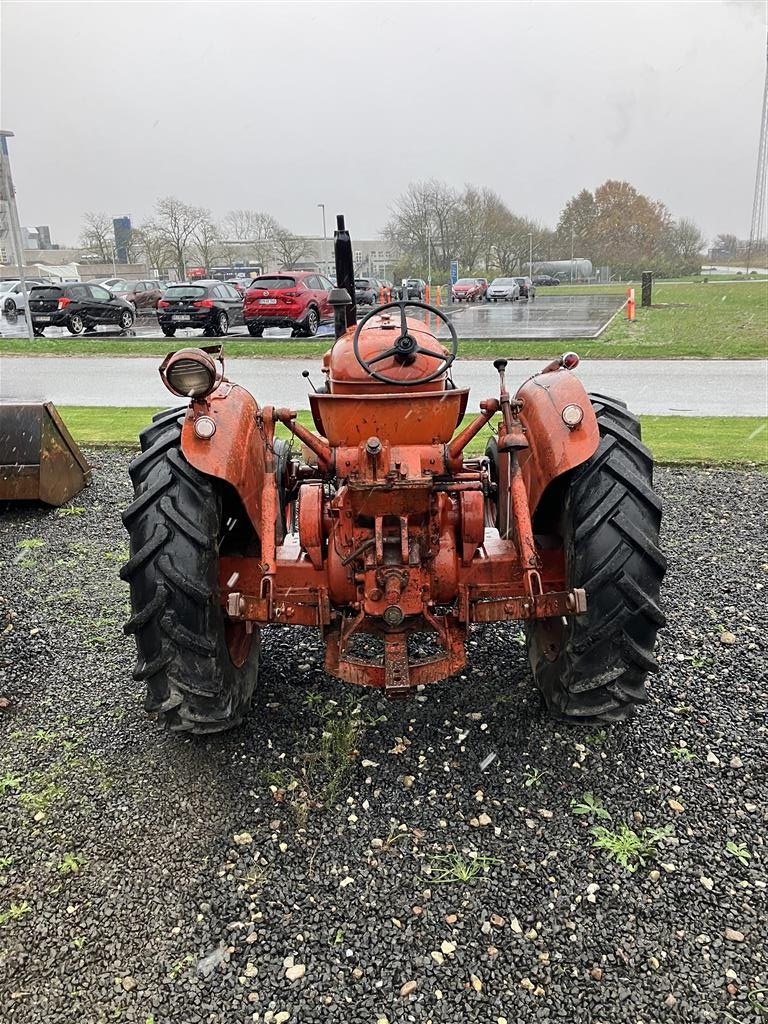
{"x": 758, "y": 225}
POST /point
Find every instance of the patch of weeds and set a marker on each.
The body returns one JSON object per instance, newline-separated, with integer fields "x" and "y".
{"x": 533, "y": 777}
{"x": 255, "y": 879}
{"x": 31, "y": 544}
{"x": 40, "y": 801}
{"x": 597, "y": 738}
{"x": 312, "y": 699}
{"x": 78, "y": 942}
{"x": 698, "y": 661}
{"x": 450, "y": 868}
{"x": 628, "y": 848}
{"x": 5, "y": 863}
{"x": 590, "y": 804}
{"x": 519, "y": 638}
{"x": 9, "y": 783}
{"x": 70, "y": 864}
{"x": 739, "y": 851}
{"x": 338, "y": 938}
{"x": 176, "y": 969}
{"x": 70, "y": 510}
{"x": 320, "y": 779}
{"x": 14, "y": 913}
{"x": 681, "y": 754}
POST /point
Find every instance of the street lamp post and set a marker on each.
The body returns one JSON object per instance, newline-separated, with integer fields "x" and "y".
{"x": 571, "y": 255}
{"x": 530, "y": 254}
{"x": 325, "y": 235}
{"x": 8, "y": 193}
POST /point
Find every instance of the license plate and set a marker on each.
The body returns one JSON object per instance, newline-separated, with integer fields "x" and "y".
{"x": 43, "y": 319}
{"x": 181, "y": 317}
{"x": 268, "y": 302}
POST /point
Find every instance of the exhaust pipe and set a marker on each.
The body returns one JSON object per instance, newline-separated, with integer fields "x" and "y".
{"x": 345, "y": 267}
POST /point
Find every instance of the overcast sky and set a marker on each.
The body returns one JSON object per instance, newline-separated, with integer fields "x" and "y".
{"x": 279, "y": 107}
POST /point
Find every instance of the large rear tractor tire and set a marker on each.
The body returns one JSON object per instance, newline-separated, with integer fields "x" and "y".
{"x": 200, "y": 668}
{"x": 594, "y": 667}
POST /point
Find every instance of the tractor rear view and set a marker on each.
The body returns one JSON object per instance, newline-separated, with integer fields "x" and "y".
{"x": 382, "y": 532}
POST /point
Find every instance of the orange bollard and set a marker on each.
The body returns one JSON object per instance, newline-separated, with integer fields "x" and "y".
{"x": 438, "y": 297}
{"x": 382, "y": 299}
{"x": 630, "y": 303}
{"x": 427, "y": 295}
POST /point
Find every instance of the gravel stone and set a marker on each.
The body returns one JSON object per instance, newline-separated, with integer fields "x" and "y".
{"x": 162, "y": 887}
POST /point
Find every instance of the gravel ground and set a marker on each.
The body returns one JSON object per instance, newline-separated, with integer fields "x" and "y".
{"x": 163, "y": 880}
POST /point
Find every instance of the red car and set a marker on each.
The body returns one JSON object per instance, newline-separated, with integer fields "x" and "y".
{"x": 296, "y": 299}
{"x": 469, "y": 289}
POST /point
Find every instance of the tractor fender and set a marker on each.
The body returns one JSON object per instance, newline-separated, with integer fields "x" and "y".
{"x": 554, "y": 448}
{"x": 236, "y": 451}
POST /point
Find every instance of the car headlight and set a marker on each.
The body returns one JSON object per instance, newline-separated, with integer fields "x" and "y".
{"x": 189, "y": 373}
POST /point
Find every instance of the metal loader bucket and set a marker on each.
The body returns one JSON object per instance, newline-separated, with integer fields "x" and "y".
{"x": 39, "y": 460}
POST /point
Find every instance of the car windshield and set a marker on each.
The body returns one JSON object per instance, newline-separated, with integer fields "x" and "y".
{"x": 185, "y": 291}
{"x": 121, "y": 286}
{"x": 502, "y": 282}
{"x": 466, "y": 280}
{"x": 362, "y": 282}
{"x": 520, "y": 280}
{"x": 5, "y": 286}
{"x": 274, "y": 284}
{"x": 44, "y": 292}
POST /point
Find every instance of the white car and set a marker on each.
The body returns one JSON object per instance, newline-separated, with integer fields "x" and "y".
{"x": 12, "y": 295}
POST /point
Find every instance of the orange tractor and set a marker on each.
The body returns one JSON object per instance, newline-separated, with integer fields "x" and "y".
{"x": 380, "y": 530}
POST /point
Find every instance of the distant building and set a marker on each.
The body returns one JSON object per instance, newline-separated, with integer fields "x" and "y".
{"x": 44, "y": 237}
{"x": 122, "y": 228}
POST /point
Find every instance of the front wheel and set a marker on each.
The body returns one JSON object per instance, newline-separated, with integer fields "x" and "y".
{"x": 222, "y": 325}
{"x": 127, "y": 320}
{"x": 594, "y": 667}
{"x": 200, "y": 667}
{"x": 169, "y": 332}
{"x": 10, "y": 309}
{"x": 76, "y": 324}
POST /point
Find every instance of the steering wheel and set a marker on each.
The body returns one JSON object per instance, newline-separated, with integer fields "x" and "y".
{"x": 405, "y": 346}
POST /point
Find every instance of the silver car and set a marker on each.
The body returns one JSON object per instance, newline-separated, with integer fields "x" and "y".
{"x": 503, "y": 289}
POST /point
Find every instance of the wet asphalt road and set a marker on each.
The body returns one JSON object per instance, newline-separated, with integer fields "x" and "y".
{"x": 547, "y": 316}
{"x": 650, "y": 387}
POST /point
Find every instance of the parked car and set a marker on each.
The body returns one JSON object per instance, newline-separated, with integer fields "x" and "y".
{"x": 12, "y": 294}
{"x": 484, "y": 284}
{"x": 78, "y": 306}
{"x": 414, "y": 288}
{"x": 141, "y": 294}
{"x": 298, "y": 300}
{"x": 468, "y": 289}
{"x": 110, "y": 282}
{"x": 527, "y": 288}
{"x": 545, "y": 280}
{"x": 366, "y": 291}
{"x": 211, "y": 306}
{"x": 503, "y": 289}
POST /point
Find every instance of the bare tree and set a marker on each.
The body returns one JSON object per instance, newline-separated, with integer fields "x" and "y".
{"x": 176, "y": 224}
{"x": 291, "y": 248}
{"x": 206, "y": 242}
{"x": 427, "y": 210}
{"x": 98, "y": 235}
{"x": 152, "y": 246}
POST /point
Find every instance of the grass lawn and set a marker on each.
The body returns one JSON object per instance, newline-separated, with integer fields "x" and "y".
{"x": 685, "y": 439}
{"x": 687, "y": 321}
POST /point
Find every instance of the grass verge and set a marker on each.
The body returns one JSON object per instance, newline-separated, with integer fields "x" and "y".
{"x": 686, "y": 321}
{"x": 694, "y": 440}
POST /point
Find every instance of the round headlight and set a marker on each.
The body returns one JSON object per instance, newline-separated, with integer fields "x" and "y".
{"x": 190, "y": 373}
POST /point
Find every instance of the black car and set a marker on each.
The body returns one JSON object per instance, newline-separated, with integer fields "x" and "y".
{"x": 545, "y": 281}
{"x": 213, "y": 306}
{"x": 78, "y": 306}
{"x": 366, "y": 291}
